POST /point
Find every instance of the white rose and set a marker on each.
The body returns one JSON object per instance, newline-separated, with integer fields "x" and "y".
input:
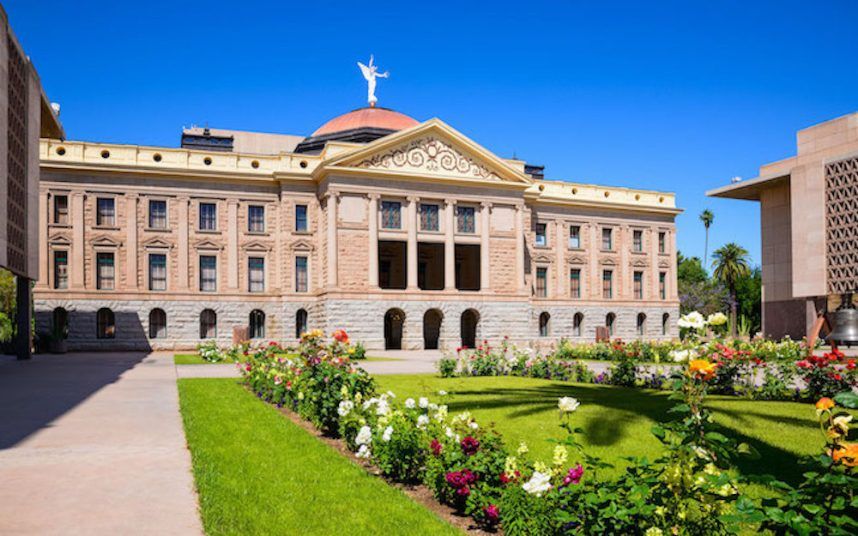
{"x": 422, "y": 421}
{"x": 474, "y": 425}
{"x": 680, "y": 356}
{"x": 383, "y": 407}
{"x": 538, "y": 484}
{"x": 388, "y": 432}
{"x": 717, "y": 319}
{"x": 424, "y": 402}
{"x": 345, "y": 407}
{"x": 364, "y": 452}
{"x": 567, "y": 404}
{"x": 364, "y": 436}
{"x": 409, "y": 403}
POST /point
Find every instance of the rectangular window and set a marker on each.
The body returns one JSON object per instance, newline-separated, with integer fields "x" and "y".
{"x": 607, "y": 284}
{"x": 429, "y": 217}
{"x": 105, "y": 213}
{"x": 301, "y": 279}
{"x": 61, "y": 269}
{"x": 105, "y": 271}
{"x": 607, "y": 239}
{"x": 541, "y": 239}
{"x": 208, "y": 217}
{"x": 157, "y": 271}
{"x": 391, "y": 215}
{"x": 638, "y": 285}
{"x": 575, "y": 283}
{"x": 157, "y": 214}
{"x": 542, "y": 282}
{"x": 662, "y": 242}
{"x": 61, "y": 209}
{"x": 575, "y": 237}
{"x": 300, "y": 218}
{"x": 662, "y": 285}
{"x": 465, "y": 220}
{"x": 637, "y": 241}
{"x": 256, "y": 274}
{"x": 208, "y": 273}
{"x": 255, "y": 219}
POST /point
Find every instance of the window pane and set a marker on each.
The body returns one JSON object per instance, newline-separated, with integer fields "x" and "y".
{"x": 540, "y": 234}
{"x": 300, "y": 274}
{"x": 61, "y": 269}
{"x": 429, "y": 217}
{"x": 105, "y": 212}
{"x": 301, "y": 218}
{"x": 61, "y": 209}
{"x": 575, "y": 283}
{"x": 637, "y": 240}
{"x": 157, "y": 324}
{"x": 105, "y": 271}
{"x": 607, "y": 284}
{"x": 208, "y": 217}
{"x": 662, "y": 245}
{"x": 638, "y": 285}
{"x": 256, "y": 274}
{"x": 208, "y": 273}
{"x": 541, "y": 282}
{"x": 256, "y": 219}
{"x": 157, "y": 214}
{"x": 157, "y": 272}
{"x": 607, "y": 242}
{"x": 391, "y": 217}
{"x": 662, "y": 285}
{"x": 465, "y": 220}
{"x": 257, "y": 324}
{"x": 575, "y": 237}
{"x": 208, "y": 324}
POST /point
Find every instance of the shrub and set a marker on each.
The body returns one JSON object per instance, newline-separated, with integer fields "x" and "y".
{"x": 447, "y": 366}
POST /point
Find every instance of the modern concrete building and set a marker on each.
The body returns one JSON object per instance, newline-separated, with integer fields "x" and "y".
{"x": 407, "y": 234}
{"x": 809, "y": 217}
{"x": 25, "y": 116}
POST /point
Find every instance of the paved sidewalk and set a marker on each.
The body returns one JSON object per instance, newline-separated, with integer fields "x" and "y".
{"x": 92, "y": 443}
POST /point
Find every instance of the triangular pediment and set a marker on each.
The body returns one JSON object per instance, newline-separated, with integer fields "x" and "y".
{"x": 60, "y": 239}
{"x": 105, "y": 242}
{"x": 608, "y": 261}
{"x": 157, "y": 243}
{"x": 542, "y": 258}
{"x": 577, "y": 259}
{"x": 257, "y": 246}
{"x": 664, "y": 263}
{"x": 640, "y": 263}
{"x": 431, "y": 150}
{"x": 302, "y": 245}
{"x": 208, "y": 244}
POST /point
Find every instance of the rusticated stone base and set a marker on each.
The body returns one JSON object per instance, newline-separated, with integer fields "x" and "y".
{"x": 363, "y": 319}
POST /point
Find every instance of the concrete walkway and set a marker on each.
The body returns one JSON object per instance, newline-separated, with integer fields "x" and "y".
{"x": 92, "y": 443}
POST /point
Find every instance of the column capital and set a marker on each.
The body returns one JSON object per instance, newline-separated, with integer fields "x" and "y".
{"x": 332, "y": 194}
{"x": 486, "y": 204}
{"x": 413, "y": 198}
{"x": 451, "y": 202}
{"x": 373, "y": 196}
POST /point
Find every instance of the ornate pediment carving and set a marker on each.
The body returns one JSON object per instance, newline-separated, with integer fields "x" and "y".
{"x": 432, "y": 155}
{"x": 608, "y": 261}
{"x": 60, "y": 239}
{"x": 664, "y": 263}
{"x": 640, "y": 263}
{"x": 257, "y": 246}
{"x": 157, "y": 243}
{"x": 302, "y": 245}
{"x": 542, "y": 258}
{"x": 577, "y": 259}
{"x": 105, "y": 242}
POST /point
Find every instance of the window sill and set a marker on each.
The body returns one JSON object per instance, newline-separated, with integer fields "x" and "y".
{"x": 157, "y": 230}
{"x": 60, "y": 225}
{"x": 208, "y": 231}
{"x": 634, "y": 252}
{"x": 570, "y": 248}
{"x": 106, "y": 227}
{"x": 305, "y": 232}
{"x": 257, "y": 233}
{"x": 608, "y": 250}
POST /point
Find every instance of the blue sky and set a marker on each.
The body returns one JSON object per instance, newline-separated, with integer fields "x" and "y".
{"x": 676, "y": 96}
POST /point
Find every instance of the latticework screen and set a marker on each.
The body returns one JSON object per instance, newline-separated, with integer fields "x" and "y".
{"x": 841, "y": 221}
{"x": 16, "y": 226}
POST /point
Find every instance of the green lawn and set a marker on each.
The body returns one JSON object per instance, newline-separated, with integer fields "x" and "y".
{"x": 259, "y": 473}
{"x": 189, "y": 359}
{"x": 617, "y": 421}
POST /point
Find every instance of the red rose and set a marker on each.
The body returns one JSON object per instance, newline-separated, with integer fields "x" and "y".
{"x": 436, "y": 447}
{"x": 470, "y": 445}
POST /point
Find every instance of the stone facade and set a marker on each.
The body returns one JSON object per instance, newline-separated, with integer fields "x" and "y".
{"x": 366, "y": 237}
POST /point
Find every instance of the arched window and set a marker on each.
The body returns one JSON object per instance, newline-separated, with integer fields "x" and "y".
{"x": 610, "y": 320}
{"x": 577, "y": 324}
{"x": 257, "y": 324}
{"x": 61, "y": 323}
{"x": 300, "y": 323}
{"x": 208, "y": 324}
{"x": 543, "y": 324}
{"x": 640, "y": 325}
{"x": 665, "y": 323}
{"x": 157, "y": 324}
{"x": 105, "y": 324}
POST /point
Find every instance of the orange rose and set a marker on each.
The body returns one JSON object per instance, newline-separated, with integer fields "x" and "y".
{"x": 341, "y": 336}
{"x": 824, "y": 404}
{"x": 847, "y": 454}
{"x": 702, "y": 369}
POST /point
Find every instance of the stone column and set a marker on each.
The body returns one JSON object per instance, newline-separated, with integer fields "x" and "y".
{"x": 485, "y": 233}
{"x": 595, "y": 279}
{"x": 450, "y": 245}
{"x": 372, "y": 220}
{"x": 182, "y": 264}
{"x": 333, "y": 200}
{"x": 44, "y": 254}
{"x": 412, "y": 243}
{"x": 560, "y": 271}
{"x": 131, "y": 237}
{"x": 232, "y": 245}
{"x": 78, "y": 281}
{"x": 654, "y": 269}
{"x": 519, "y": 248}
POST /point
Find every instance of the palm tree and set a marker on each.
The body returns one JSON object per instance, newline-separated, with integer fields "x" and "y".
{"x": 731, "y": 263}
{"x": 707, "y": 218}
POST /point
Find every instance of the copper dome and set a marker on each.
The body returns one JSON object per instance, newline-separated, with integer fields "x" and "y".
{"x": 381, "y": 118}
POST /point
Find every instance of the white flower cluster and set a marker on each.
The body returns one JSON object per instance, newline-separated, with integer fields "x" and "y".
{"x": 692, "y": 320}
{"x": 567, "y": 404}
{"x": 538, "y": 484}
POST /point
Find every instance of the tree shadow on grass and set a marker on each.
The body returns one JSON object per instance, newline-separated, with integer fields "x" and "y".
{"x": 629, "y": 405}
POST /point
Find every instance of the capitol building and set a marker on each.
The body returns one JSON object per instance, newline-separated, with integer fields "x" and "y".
{"x": 405, "y": 233}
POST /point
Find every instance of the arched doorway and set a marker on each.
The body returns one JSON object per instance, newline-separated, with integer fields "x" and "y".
{"x": 544, "y": 319}
{"x": 431, "y": 329}
{"x": 470, "y": 320}
{"x": 393, "y": 322}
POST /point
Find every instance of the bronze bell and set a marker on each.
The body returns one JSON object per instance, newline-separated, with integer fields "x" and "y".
{"x": 845, "y": 324}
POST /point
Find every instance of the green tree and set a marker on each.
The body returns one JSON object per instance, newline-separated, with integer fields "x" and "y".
{"x": 7, "y": 293}
{"x": 731, "y": 263}
{"x": 707, "y": 218}
{"x": 749, "y": 298}
{"x": 690, "y": 269}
